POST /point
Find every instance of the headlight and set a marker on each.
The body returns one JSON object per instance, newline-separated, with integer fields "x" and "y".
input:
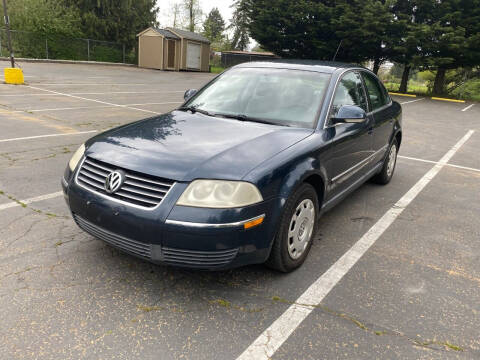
{"x": 219, "y": 194}
{"x": 76, "y": 157}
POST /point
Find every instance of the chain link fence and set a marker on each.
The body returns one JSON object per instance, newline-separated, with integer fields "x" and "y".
{"x": 37, "y": 46}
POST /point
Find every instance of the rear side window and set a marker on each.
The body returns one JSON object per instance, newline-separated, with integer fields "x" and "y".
{"x": 376, "y": 92}
{"x": 349, "y": 92}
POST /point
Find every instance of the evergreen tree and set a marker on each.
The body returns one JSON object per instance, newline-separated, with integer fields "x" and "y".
{"x": 364, "y": 26}
{"x": 453, "y": 35}
{"x": 115, "y": 20}
{"x": 313, "y": 29}
{"x": 214, "y": 26}
{"x": 407, "y": 39}
{"x": 239, "y": 24}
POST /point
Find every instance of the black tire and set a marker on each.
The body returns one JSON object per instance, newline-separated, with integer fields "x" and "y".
{"x": 384, "y": 176}
{"x": 280, "y": 258}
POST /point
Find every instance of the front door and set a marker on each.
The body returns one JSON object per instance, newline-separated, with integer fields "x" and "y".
{"x": 382, "y": 113}
{"x": 351, "y": 144}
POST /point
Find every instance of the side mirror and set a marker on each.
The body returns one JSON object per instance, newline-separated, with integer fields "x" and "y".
{"x": 189, "y": 93}
{"x": 349, "y": 114}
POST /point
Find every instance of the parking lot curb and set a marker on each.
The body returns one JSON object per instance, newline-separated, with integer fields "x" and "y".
{"x": 401, "y": 94}
{"x": 445, "y": 99}
{"x": 70, "y": 62}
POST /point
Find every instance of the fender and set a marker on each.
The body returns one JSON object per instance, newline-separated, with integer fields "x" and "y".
{"x": 294, "y": 175}
{"x": 397, "y": 126}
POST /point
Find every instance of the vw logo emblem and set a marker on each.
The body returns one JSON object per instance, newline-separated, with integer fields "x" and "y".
{"x": 114, "y": 181}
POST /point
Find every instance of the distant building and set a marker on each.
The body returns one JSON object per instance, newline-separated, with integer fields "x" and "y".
{"x": 173, "y": 49}
{"x": 234, "y": 57}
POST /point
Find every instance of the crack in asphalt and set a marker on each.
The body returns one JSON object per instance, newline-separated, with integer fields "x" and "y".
{"x": 28, "y": 206}
{"x": 370, "y": 327}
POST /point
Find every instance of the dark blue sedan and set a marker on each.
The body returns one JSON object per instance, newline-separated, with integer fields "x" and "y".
{"x": 242, "y": 171}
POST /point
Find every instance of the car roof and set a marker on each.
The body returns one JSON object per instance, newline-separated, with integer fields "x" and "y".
{"x": 307, "y": 65}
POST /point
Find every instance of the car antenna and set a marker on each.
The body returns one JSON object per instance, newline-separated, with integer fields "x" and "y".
{"x": 338, "y": 48}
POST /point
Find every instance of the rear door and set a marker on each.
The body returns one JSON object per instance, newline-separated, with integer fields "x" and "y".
{"x": 193, "y": 55}
{"x": 350, "y": 147}
{"x": 382, "y": 113}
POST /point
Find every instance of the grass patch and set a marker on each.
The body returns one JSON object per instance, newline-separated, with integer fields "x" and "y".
{"x": 453, "y": 347}
{"x": 216, "y": 69}
{"x": 147, "y": 309}
{"x": 221, "y": 302}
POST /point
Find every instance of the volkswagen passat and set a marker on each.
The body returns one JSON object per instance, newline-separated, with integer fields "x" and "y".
{"x": 242, "y": 171}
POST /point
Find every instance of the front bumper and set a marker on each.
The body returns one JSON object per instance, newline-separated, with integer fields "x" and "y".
{"x": 176, "y": 235}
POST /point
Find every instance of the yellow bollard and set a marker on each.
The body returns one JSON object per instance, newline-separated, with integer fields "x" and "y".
{"x": 13, "y": 76}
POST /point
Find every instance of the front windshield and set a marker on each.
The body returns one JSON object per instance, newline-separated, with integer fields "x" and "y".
{"x": 280, "y": 96}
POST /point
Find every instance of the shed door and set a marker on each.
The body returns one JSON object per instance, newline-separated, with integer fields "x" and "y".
{"x": 171, "y": 54}
{"x": 193, "y": 55}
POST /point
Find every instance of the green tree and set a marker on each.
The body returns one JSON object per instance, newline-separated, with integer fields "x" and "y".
{"x": 313, "y": 29}
{"x": 299, "y": 29}
{"x": 193, "y": 13}
{"x": 239, "y": 25}
{"x": 117, "y": 21}
{"x": 35, "y": 21}
{"x": 404, "y": 46}
{"x": 45, "y": 17}
{"x": 214, "y": 26}
{"x": 364, "y": 27}
{"x": 453, "y": 35}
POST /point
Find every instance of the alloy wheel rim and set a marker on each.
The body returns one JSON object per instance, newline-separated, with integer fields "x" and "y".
{"x": 301, "y": 228}
{"x": 392, "y": 158}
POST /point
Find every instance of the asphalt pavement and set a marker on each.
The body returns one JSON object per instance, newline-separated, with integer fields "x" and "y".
{"x": 413, "y": 294}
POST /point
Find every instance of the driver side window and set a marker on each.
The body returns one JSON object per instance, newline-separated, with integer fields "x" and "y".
{"x": 349, "y": 92}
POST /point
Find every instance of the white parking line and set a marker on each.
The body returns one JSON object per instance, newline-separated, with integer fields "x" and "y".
{"x": 436, "y": 162}
{"x": 411, "y": 101}
{"x": 96, "y": 107}
{"x": 96, "y": 93}
{"x": 30, "y": 200}
{"x": 265, "y": 346}
{"x": 97, "y": 101}
{"x": 468, "y": 107}
{"x": 49, "y": 135}
{"x": 91, "y": 84}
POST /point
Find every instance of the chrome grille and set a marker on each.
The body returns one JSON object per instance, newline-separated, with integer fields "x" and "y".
{"x": 134, "y": 247}
{"x": 138, "y": 189}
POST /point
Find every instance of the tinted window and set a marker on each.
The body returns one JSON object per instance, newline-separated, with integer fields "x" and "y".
{"x": 349, "y": 92}
{"x": 376, "y": 92}
{"x": 283, "y": 96}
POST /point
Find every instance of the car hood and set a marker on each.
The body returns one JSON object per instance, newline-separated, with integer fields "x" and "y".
{"x": 182, "y": 146}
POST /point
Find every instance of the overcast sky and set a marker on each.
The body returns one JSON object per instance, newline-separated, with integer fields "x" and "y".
{"x": 166, "y": 19}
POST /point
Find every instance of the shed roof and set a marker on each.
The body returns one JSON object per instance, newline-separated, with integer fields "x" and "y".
{"x": 188, "y": 35}
{"x": 167, "y": 34}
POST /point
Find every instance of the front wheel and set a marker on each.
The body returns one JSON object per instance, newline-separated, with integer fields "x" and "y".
{"x": 388, "y": 168}
{"x": 296, "y": 231}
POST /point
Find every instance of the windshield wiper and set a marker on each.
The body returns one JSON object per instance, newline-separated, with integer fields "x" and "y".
{"x": 243, "y": 117}
{"x": 194, "y": 109}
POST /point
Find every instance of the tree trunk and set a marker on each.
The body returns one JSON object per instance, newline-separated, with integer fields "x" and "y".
{"x": 376, "y": 65}
{"x": 404, "y": 83}
{"x": 439, "y": 84}
{"x": 192, "y": 19}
